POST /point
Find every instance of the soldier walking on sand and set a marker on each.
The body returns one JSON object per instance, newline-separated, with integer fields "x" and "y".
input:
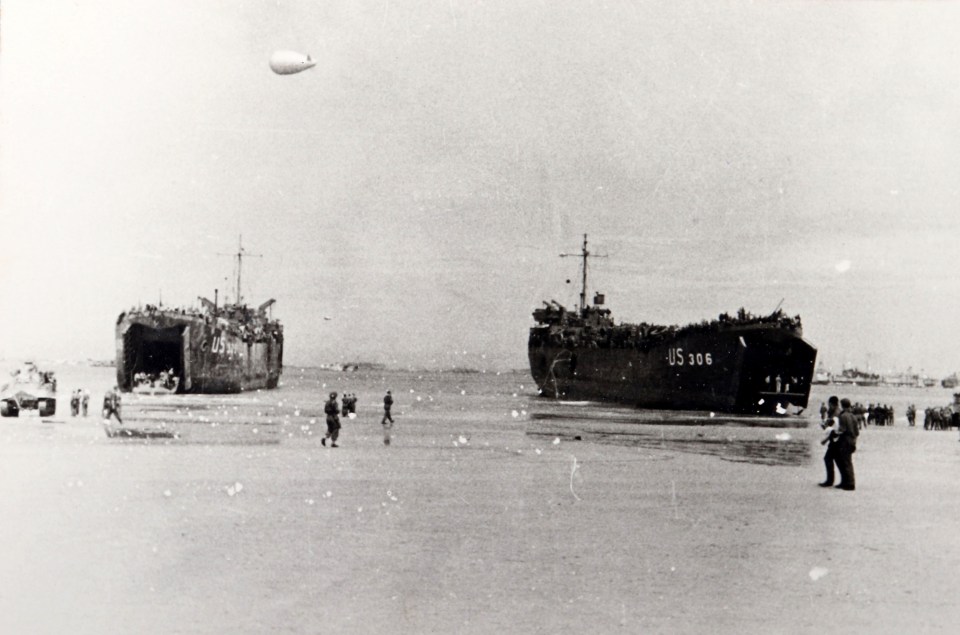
{"x": 387, "y": 427}
{"x": 111, "y": 404}
{"x": 333, "y": 421}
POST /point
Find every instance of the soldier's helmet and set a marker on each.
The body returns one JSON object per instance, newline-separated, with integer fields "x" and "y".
{"x": 333, "y": 395}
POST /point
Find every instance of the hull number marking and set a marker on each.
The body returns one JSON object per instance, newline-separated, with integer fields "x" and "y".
{"x": 677, "y": 357}
{"x": 219, "y": 344}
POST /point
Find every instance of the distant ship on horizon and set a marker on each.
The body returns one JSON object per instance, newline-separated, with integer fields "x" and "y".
{"x": 858, "y": 377}
{"x": 743, "y": 364}
{"x": 214, "y": 349}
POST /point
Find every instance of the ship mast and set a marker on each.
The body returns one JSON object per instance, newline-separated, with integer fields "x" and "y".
{"x": 241, "y": 252}
{"x": 584, "y": 254}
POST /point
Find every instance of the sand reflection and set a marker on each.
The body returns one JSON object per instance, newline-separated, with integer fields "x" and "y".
{"x": 728, "y": 438}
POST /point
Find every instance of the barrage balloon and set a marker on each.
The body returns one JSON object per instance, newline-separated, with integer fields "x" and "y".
{"x": 290, "y": 62}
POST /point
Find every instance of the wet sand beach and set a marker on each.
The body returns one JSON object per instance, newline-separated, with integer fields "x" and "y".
{"x": 479, "y": 518}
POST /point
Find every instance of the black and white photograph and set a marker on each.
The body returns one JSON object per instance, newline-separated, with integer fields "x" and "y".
{"x": 479, "y": 316}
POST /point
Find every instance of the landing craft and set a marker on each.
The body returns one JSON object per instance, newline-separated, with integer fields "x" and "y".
{"x": 290, "y": 62}
{"x": 742, "y": 364}
{"x": 215, "y": 349}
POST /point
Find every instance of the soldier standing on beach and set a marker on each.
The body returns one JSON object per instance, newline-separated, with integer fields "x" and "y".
{"x": 353, "y": 404}
{"x": 848, "y": 432}
{"x": 85, "y": 401}
{"x": 349, "y": 406}
{"x": 829, "y": 425}
{"x": 333, "y": 421}
{"x": 387, "y": 427}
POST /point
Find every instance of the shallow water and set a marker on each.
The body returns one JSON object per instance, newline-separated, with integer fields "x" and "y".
{"x": 463, "y": 401}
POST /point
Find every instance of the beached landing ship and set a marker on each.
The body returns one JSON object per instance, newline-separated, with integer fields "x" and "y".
{"x": 214, "y": 349}
{"x": 737, "y": 364}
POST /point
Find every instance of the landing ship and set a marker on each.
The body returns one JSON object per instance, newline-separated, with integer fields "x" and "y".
{"x": 213, "y": 349}
{"x": 743, "y": 364}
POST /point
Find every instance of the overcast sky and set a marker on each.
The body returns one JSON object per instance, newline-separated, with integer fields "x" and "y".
{"x": 418, "y": 184}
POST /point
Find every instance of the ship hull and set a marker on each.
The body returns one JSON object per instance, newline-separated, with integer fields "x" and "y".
{"x": 749, "y": 370}
{"x": 203, "y": 353}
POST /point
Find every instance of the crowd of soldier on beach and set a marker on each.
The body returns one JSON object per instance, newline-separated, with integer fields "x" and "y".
{"x": 872, "y": 414}
{"x": 934, "y": 418}
{"x": 842, "y": 422}
{"x": 879, "y": 414}
{"x": 942, "y": 418}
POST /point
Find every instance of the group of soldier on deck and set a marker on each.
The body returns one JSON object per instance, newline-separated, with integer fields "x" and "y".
{"x": 594, "y": 328}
